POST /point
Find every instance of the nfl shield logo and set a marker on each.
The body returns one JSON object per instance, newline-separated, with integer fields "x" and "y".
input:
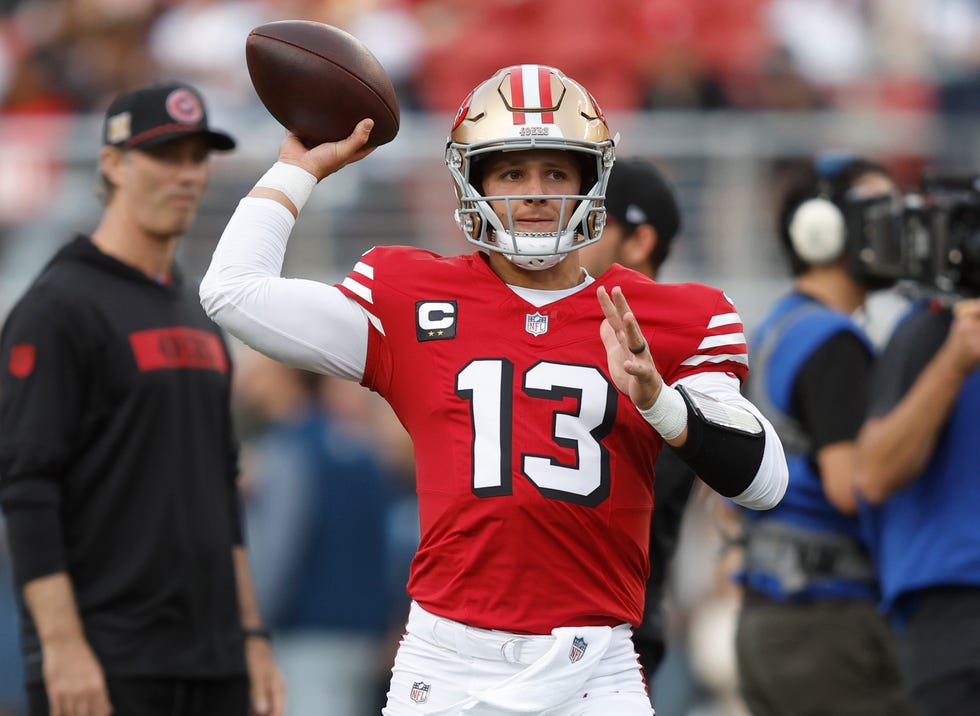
{"x": 579, "y": 645}
{"x": 536, "y": 324}
{"x": 420, "y": 692}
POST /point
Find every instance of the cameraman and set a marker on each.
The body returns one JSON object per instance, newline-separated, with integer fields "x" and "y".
{"x": 920, "y": 475}
{"x": 809, "y": 637}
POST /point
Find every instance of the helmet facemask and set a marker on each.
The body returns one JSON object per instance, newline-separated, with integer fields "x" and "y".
{"x": 513, "y": 111}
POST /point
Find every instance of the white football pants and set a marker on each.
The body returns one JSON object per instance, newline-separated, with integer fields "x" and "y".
{"x": 445, "y": 668}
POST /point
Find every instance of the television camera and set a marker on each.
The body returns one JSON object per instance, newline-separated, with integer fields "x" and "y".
{"x": 930, "y": 237}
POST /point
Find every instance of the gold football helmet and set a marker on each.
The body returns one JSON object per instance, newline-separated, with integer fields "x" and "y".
{"x": 530, "y": 107}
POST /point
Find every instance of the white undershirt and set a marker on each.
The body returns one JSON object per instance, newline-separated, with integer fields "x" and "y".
{"x": 539, "y": 297}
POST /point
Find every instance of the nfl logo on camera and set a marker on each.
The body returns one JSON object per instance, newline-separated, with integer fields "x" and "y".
{"x": 579, "y": 645}
{"x": 536, "y": 324}
{"x": 420, "y": 692}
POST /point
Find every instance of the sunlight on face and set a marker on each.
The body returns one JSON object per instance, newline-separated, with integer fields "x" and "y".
{"x": 871, "y": 185}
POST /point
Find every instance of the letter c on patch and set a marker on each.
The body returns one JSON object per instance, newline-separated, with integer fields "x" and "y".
{"x": 435, "y": 320}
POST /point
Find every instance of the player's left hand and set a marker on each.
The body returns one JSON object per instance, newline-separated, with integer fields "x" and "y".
{"x": 268, "y": 690}
{"x": 630, "y": 361}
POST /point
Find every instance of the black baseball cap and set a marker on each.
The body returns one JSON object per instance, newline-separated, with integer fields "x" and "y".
{"x": 638, "y": 194}
{"x": 159, "y": 113}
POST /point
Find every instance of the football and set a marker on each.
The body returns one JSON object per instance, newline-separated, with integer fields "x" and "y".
{"x": 319, "y": 81}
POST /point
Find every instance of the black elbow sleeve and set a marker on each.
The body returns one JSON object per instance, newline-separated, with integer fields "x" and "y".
{"x": 725, "y": 454}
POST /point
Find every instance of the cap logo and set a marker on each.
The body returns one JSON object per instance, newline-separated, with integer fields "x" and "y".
{"x": 636, "y": 215}
{"x": 119, "y": 128}
{"x": 184, "y": 107}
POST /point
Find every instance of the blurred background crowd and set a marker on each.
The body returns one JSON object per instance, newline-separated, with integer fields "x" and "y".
{"x": 722, "y": 94}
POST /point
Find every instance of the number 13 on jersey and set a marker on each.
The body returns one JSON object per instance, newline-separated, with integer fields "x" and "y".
{"x": 488, "y": 385}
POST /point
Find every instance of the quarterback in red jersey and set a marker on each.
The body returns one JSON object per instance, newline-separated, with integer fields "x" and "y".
{"x": 537, "y": 397}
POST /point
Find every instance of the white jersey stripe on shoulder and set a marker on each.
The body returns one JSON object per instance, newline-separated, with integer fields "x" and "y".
{"x": 375, "y": 321}
{"x": 742, "y": 358}
{"x": 726, "y": 339}
{"x": 358, "y": 289}
{"x": 364, "y": 269}
{"x": 724, "y": 319}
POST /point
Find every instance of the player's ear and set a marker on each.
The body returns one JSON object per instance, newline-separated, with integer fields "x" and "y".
{"x": 636, "y": 248}
{"x": 110, "y": 161}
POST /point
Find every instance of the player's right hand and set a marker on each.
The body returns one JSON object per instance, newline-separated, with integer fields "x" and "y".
{"x": 325, "y": 159}
{"x": 74, "y": 680}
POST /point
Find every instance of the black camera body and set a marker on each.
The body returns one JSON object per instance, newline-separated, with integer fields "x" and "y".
{"x": 952, "y": 210}
{"x": 930, "y": 237}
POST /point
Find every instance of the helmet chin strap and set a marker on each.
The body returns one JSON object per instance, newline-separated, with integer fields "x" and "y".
{"x": 520, "y": 256}
{"x": 536, "y": 263}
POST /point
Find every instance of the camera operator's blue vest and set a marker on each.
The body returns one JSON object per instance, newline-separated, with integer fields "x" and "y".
{"x": 803, "y": 548}
{"x": 928, "y": 534}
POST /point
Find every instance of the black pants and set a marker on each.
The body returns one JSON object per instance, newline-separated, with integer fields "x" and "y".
{"x": 939, "y": 650}
{"x": 825, "y": 658}
{"x": 140, "y": 696}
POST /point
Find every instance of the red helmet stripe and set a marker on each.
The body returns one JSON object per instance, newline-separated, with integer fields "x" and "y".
{"x": 517, "y": 93}
{"x": 544, "y": 90}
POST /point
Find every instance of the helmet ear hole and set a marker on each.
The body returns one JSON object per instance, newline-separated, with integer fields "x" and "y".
{"x": 818, "y": 231}
{"x": 470, "y": 222}
{"x": 596, "y": 223}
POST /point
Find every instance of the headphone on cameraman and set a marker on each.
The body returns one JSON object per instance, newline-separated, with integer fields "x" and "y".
{"x": 817, "y": 228}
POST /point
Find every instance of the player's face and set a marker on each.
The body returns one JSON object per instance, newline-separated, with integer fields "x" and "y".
{"x": 531, "y": 174}
{"x": 872, "y": 185}
{"x": 163, "y": 185}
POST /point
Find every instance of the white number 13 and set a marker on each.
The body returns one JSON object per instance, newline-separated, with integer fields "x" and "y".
{"x": 488, "y": 386}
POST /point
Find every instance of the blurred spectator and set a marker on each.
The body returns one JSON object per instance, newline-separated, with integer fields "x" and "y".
{"x": 36, "y": 116}
{"x": 101, "y": 48}
{"x": 318, "y": 506}
{"x": 952, "y": 32}
{"x": 828, "y": 40}
{"x": 203, "y": 41}
{"x": 394, "y": 34}
{"x": 698, "y": 676}
{"x": 680, "y": 80}
{"x": 779, "y": 86}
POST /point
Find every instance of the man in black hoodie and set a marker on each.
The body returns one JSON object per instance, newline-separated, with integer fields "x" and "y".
{"x": 118, "y": 460}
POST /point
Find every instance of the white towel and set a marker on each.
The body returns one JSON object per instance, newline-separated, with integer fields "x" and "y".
{"x": 554, "y": 678}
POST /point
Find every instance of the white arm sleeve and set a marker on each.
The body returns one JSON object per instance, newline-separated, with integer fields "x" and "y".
{"x": 305, "y": 324}
{"x": 772, "y": 478}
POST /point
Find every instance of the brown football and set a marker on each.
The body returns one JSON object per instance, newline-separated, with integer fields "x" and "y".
{"x": 319, "y": 81}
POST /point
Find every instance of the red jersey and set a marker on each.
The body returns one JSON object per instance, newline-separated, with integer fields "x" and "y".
{"x": 534, "y": 473}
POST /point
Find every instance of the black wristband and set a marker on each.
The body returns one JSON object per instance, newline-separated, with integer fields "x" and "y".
{"x": 257, "y": 634}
